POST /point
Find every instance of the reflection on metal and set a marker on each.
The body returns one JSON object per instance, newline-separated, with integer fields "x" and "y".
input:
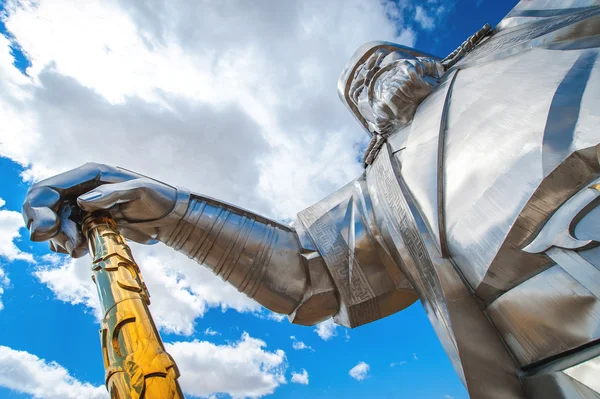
{"x": 564, "y": 111}
{"x": 465, "y": 332}
{"x": 480, "y": 198}
{"x": 545, "y": 316}
{"x": 256, "y": 255}
{"x": 587, "y": 373}
{"x": 557, "y": 230}
{"x": 357, "y": 63}
{"x": 465, "y": 47}
{"x": 344, "y": 230}
{"x": 137, "y": 365}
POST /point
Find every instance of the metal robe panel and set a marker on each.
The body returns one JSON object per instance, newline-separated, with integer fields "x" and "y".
{"x": 557, "y": 385}
{"x": 538, "y": 10}
{"x": 536, "y": 32}
{"x": 493, "y": 155}
{"x": 423, "y": 148}
{"x": 471, "y": 342}
{"x": 547, "y": 315}
{"x": 587, "y": 373}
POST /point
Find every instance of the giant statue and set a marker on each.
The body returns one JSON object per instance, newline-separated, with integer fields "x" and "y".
{"x": 479, "y": 198}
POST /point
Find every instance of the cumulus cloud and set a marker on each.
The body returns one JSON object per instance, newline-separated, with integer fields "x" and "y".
{"x": 326, "y": 329}
{"x": 211, "y": 332}
{"x": 4, "y": 282}
{"x": 299, "y": 345}
{"x": 253, "y": 105}
{"x": 400, "y": 363}
{"x": 360, "y": 371}
{"x": 11, "y": 224}
{"x": 180, "y": 289}
{"x": 242, "y": 369}
{"x": 300, "y": 378}
{"x": 28, "y": 374}
{"x": 221, "y": 98}
{"x": 275, "y": 317}
{"x": 423, "y": 18}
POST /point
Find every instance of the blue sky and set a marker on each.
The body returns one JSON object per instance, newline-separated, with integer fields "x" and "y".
{"x": 52, "y": 318}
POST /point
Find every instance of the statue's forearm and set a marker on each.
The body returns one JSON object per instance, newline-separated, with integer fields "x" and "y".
{"x": 260, "y": 257}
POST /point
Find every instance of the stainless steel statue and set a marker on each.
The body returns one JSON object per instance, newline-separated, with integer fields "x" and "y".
{"x": 479, "y": 198}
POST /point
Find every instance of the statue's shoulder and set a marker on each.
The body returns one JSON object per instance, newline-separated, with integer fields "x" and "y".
{"x": 555, "y": 25}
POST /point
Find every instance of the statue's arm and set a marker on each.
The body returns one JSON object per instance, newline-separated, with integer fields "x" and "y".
{"x": 270, "y": 262}
{"x": 261, "y": 258}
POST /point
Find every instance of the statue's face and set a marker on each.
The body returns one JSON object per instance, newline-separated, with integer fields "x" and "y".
{"x": 388, "y": 87}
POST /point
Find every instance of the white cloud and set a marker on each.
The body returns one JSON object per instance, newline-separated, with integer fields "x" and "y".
{"x": 276, "y": 317}
{"x": 169, "y": 81}
{"x": 360, "y": 371}
{"x": 196, "y": 94}
{"x": 448, "y": 397}
{"x": 243, "y": 369}
{"x": 4, "y": 282}
{"x": 326, "y": 329}
{"x": 415, "y": 356}
{"x": 70, "y": 280}
{"x": 180, "y": 289}
{"x": 211, "y": 332}
{"x": 301, "y": 377}
{"x": 26, "y": 373}
{"x": 11, "y": 223}
{"x": 423, "y": 18}
{"x": 299, "y": 345}
{"x": 400, "y": 363}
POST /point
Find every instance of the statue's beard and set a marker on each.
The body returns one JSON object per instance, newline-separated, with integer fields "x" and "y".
{"x": 396, "y": 91}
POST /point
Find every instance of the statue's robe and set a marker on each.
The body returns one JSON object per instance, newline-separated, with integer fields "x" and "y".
{"x": 485, "y": 207}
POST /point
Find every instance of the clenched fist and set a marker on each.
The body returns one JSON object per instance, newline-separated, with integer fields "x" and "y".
{"x": 143, "y": 208}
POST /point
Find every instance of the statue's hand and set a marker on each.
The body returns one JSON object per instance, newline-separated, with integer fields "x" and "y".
{"x": 139, "y": 205}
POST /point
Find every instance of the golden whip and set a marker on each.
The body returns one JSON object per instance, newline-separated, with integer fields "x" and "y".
{"x": 136, "y": 363}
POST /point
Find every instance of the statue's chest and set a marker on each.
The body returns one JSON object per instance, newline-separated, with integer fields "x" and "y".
{"x": 482, "y": 144}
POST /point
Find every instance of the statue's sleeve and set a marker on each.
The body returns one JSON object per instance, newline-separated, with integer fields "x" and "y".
{"x": 262, "y": 258}
{"x": 332, "y": 262}
{"x": 343, "y": 229}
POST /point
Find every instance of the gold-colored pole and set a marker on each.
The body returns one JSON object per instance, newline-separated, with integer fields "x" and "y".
{"x": 136, "y": 363}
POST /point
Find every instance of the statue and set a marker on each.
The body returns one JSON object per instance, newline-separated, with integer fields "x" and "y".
{"x": 479, "y": 198}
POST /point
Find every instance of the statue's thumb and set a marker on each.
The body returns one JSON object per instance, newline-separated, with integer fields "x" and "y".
{"x": 108, "y": 195}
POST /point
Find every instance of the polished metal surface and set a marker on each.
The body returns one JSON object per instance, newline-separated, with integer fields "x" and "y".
{"x": 587, "y": 373}
{"x": 344, "y": 230}
{"x": 385, "y": 87}
{"x": 466, "y": 47}
{"x": 546, "y": 315}
{"x": 136, "y": 363}
{"x": 261, "y": 258}
{"x": 349, "y": 85}
{"x": 480, "y": 198}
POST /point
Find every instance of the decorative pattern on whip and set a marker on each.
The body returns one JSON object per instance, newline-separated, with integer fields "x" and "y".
{"x": 136, "y": 363}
